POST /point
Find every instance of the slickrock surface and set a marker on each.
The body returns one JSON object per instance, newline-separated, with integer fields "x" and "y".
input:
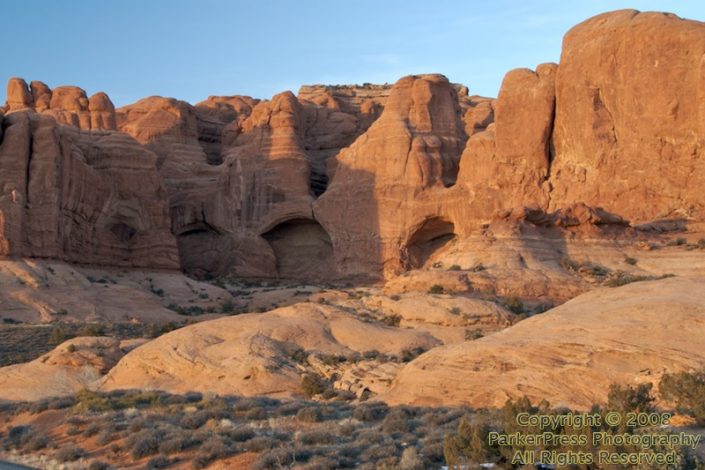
{"x": 69, "y": 368}
{"x": 571, "y": 354}
{"x": 40, "y": 291}
{"x": 251, "y": 354}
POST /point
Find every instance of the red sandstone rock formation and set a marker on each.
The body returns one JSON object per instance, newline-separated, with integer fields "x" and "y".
{"x": 88, "y": 198}
{"x": 346, "y": 180}
{"x": 67, "y": 104}
{"x": 630, "y": 108}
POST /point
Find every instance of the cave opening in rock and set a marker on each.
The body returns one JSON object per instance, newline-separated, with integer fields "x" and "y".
{"x": 200, "y": 249}
{"x": 122, "y": 231}
{"x": 303, "y": 250}
{"x": 429, "y": 239}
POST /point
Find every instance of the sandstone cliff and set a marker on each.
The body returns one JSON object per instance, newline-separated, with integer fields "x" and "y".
{"x": 88, "y": 198}
{"x": 344, "y": 181}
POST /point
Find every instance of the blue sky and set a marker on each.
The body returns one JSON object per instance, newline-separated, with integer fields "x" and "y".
{"x": 191, "y": 49}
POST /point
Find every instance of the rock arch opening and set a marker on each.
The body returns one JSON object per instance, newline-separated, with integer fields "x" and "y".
{"x": 428, "y": 240}
{"x": 303, "y": 250}
{"x": 200, "y": 249}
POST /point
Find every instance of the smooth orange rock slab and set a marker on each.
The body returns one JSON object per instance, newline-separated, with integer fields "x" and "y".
{"x": 251, "y": 354}
{"x": 570, "y": 354}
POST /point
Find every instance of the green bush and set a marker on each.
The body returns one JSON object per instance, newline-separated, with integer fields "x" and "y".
{"x": 313, "y": 384}
{"x": 687, "y": 391}
{"x": 391, "y": 320}
{"x": 69, "y": 454}
{"x": 514, "y": 305}
{"x": 436, "y": 289}
{"x": 630, "y": 398}
{"x": 468, "y": 445}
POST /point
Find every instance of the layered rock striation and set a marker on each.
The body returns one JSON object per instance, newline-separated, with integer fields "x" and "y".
{"x": 344, "y": 181}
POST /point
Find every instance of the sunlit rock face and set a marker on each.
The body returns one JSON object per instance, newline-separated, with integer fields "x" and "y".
{"x": 371, "y": 180}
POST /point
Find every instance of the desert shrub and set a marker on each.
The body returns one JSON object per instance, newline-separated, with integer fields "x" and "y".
{"x": 687, "y": 391}
{"x": 372, "y": 354}
{"x": 396, "y": 297}
{"x": 313, "y": 384}
{"x": 391, "y": 320}
{"x": 317, "y": 437}
{"x": 227, "y": 307}
{"x": 98, "y": 465}
{"x": 69, "y": 454}
{"x": 139, "y": 424}
{"x": 258, "y": 444}
{"x": 397, "y": 420}
{"x": 436, "y": 289}
{"x": 310, "y": 414}
{"x": 630, "y": 260}
{"x": 59, "y": 334}
{"x": 332, "y": 359}
{"x": 256, "y": 414}
{"x": 193, "y": 397}
{"x": 454, "y": 267}
{"x": 18, "y": 436}
{"x": 471, "y": 335}
{"x": 300, "y": 356}
{"x": 321, "y": 462}
{"x": 155, "y": 330}
{"x": 38, "y": 406}
{"x": 345, "y": 395}
{"x": 91, "y": 430}
{"x": 276, "y": 458}
{"x": 514, "y": 305}
{"x": 106, "y": 438}
{"x": 160, "y": 461}
{"x": 637, "y": 399}
{"x": 240, "y": 434}
{"x": 677, "y": 242}
{"x": 370, "y": 411}
{"x": 213, "y": 449}
{"x": 408, "y": 355}
{"x": 621, "y": 278}
{"x": 61, "y": 403}
{"x": 172, "y": 445}
{"x": 410, "y": 460}
{"x": 143, "y": 443}
{"x": 73, "y": 430}
{"x": 37, "y": 442}
{"x": 194, "y": 420}
{"x": 469, "y": 444}
{"x": 92, "y": 329}
{"x": 379, "y": 452}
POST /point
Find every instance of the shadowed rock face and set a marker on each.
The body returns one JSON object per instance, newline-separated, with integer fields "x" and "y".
{"x": 615, "y": 129}
{"x": 87, "y": 198}
{"x": 303, "y": 250}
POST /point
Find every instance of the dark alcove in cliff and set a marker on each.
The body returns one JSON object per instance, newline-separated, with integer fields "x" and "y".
{"x": 303, "y": 250}
{"x": 428, "y": 239}
{"x": 200, "y": 249}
